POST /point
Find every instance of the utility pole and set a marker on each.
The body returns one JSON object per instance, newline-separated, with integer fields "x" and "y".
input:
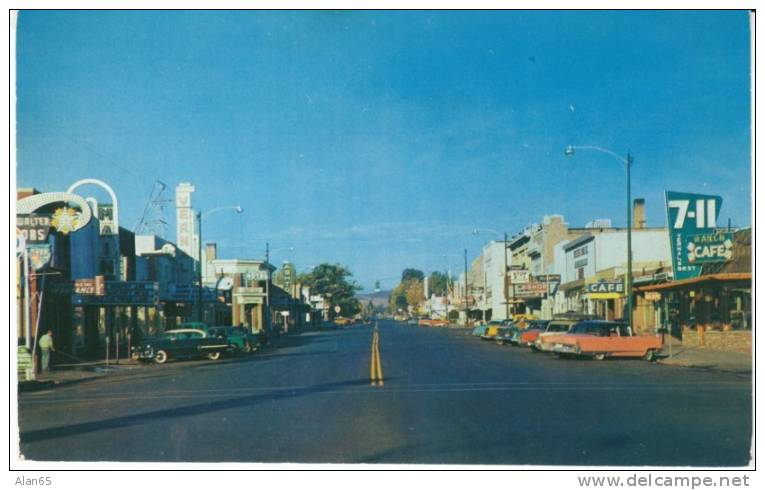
{"x": 268, "y": 293}
{"x": 466, "y": 290}
{"x": 629, "y": 243}
{"x": 504, "y": 282}
{"x": 199, "y": 269}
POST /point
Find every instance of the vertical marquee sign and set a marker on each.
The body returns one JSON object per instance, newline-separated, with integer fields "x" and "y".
{"x": 693, "y": 235}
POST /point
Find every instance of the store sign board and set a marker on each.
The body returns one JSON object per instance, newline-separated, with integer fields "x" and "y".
{"x": 653, "y": 296}
{"x": 134, "y": 293}
{"x": 520, "y": 277}
{"x": 708, "y": 247}
{"x": 530, "y": 290}
{"x": 35, "y": 228}
{"x": 39, "y": 255}
{"x": 692, "y": 215}
{"x": 605, "y": 287}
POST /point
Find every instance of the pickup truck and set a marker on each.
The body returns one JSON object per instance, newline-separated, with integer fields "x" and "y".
{"x": 599, "y": 339}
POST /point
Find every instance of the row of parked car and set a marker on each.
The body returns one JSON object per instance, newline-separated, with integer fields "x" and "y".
{"x": 573, "y": 336}
{"x": 196, "y": 339}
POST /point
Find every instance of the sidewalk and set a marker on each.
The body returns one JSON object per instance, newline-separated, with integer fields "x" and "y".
{"x": 705, "y": 358}
{"x": 64, "y": 374}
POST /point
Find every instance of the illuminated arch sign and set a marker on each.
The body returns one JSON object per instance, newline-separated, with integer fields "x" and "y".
{"x": 65, "y": 219}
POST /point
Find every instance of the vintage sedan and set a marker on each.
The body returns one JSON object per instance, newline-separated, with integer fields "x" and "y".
{"x": 493, "y": 329}
{"x": 239, "y": 338}
{"x": 556, "y": 328}
{"x": 479, "y": 330}
{"x": 178, "y": 344}
{"x": 531, "y": 333}
{"x": 599, "y": 339}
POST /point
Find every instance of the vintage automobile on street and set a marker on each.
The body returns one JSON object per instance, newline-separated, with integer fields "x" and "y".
{"x": 439, "y": 322}
{"x": 553, "y": 329}
{"x": 179, "y": 343}
{"x": 342, "y": 321}
{"x": 479, "y": 330}
{"x": 599, "y": 339}
{"x": 239, "y": 338}
{"x": 424, "y": 322}
{"x": 531, "y": 333}
{"x": 492, "y": 329}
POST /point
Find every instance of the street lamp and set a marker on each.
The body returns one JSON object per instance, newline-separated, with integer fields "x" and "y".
{"x": 476, "y": 231}
{"x": 201, "y": 215}
{"x": 570, "y": 150}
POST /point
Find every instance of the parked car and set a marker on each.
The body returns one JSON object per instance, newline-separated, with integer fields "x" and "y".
{"x": 179, "y": 343}
{"x": 439, "y": 322}
{"x": 239, "y": 338}
{"x": 492, "y": 329}
{"x": 555, "y": 328}
{"x": 479, "y": 330}
{"x": 342, "y": 321}
{"x": 424, "y": 322}
{"x": 531, "y": 334}
{"x": 412, "y": 321}
{"x": 599, "y": 339}
{"x": 505, "y": 333}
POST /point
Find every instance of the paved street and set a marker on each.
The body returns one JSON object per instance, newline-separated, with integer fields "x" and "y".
{"x": 446, "y": 398}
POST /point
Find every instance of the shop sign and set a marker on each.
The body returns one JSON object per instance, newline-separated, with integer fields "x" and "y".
{"x": 548, "y": 278}
{"x": 106, "y": 220}
{"x": 690, "y": 215}
{"x": 709, "y": 247}
{"x": 39, "y": 255}
{"x": 66, "y": 220}
{"x": 530, "y": 290}
{"x": 134, "y": 293}
{"x": 605, "y": 287}
{"x": 34, "y": 227}
{"x": 580, "y": 263}
{"x": 520, "y": 277}
{"x": 653, "y": 296}
{"x": 189, "y": 293}
{"x": 95, "y": 286}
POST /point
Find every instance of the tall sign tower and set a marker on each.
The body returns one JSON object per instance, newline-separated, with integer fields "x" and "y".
{"x": 186, "y": 229}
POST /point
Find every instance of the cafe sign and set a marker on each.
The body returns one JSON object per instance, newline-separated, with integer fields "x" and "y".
{"x": 693, "y": 236}
{"x": 605, "y": 289}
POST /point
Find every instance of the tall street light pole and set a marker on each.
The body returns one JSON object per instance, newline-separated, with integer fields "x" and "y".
{"x": 570, "y": 150}
{"x": 201, "y": 215}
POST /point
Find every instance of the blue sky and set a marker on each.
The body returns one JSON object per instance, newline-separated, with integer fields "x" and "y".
{"x": 381, "y": 139}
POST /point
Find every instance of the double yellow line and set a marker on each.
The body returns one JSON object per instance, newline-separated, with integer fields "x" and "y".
{"x": 375, "y": 366}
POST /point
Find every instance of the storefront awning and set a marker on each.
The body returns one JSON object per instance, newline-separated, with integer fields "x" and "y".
{"x": 711, "y": 278}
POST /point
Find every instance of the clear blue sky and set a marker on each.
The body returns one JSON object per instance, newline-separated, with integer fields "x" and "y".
{"x": 381, "y": 139}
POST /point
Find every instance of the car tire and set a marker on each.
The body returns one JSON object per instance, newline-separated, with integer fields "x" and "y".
{"x": 650, "y": 355}
{"x": 160, "y": 357}
{"x": 213, "y": 356}
{"x": 599, "y": 356}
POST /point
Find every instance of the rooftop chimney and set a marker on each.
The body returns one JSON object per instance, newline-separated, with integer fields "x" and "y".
{"x": 638, "y": 214}
{"x": 211, "y": 251}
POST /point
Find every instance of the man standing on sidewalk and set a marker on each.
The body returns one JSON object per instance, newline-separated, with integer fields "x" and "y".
{"x": 46, "y": 346}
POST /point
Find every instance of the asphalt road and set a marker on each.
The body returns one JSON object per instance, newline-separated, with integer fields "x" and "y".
{"x": 446, "y": 398}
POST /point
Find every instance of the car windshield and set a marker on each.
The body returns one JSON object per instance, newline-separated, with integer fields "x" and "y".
{"x": 558, "y": 327}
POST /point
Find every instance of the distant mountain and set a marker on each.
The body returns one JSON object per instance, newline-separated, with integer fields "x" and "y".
{"x": 379, "y": 298}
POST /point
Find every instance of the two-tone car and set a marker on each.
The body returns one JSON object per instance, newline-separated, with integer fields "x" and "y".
{"x": 181, "y": 343}
{"x": 240, "y": 339}
{"x": 599, "y": 339}
{"x": 528, "y": 336}
{"x": 493, "y": 329}
{"x": 555, "y": 328}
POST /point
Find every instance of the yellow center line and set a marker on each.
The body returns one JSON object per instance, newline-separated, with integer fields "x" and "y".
{"x": 375, "y": 366}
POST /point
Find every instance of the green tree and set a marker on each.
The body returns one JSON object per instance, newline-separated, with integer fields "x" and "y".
{"x": 335, "y": 283}
{"x": 412, "y": 274}
{"x": 438, "y": 283}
